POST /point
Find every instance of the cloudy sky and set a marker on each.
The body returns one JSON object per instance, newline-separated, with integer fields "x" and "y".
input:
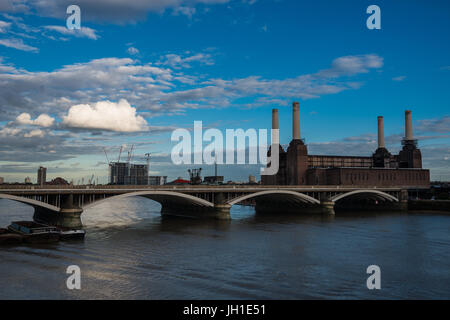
{"x": 137, "y": 70}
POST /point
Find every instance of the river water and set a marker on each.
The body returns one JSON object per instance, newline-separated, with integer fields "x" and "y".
{"x": 131, "y": 252}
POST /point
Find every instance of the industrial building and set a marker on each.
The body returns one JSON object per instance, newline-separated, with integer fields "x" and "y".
{"x": 297, "y": 167}
{"x": 213, "y": 179}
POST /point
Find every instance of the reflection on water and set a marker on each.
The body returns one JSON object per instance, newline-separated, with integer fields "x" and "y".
{"x": 131, "y": 252}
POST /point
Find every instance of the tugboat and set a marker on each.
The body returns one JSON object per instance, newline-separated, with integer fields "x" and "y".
{"x": 33, "y": 232}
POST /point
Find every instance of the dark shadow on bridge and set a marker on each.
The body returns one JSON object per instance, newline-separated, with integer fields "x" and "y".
{"x": 367, "y": 201}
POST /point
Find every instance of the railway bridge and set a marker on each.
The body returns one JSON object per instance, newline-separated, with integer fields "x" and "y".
{"x": 63, "y": 205}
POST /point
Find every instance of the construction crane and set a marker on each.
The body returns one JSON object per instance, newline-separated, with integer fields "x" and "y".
{"x": 106, "y": 155}
{"x": 130, "y": 153}
{"x": 120, "y": 152}
{"x": 147, "y": 157}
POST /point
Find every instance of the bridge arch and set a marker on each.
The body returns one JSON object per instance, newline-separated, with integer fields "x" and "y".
{"x": 158, "y": 196}
{"x": 295, "y": 195}
{"x": 365, "y": 193}
{"x": 31, "y": 202}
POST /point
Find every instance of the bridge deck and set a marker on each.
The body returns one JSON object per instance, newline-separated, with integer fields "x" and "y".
{"x": 35, "y": 190}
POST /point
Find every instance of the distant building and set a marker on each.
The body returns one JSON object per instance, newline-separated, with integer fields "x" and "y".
{"x": 117, "y": 172}
{"x": 41, "y": 176}
{"x": 58, "y": 182}
{"x": 179, "y": 181}
{"x": 195, "y": 175}
{"x": 213, "y": 179}
{"x": 124, "y": 173}
{"x": 27, "y": 180}
{"x": 251, "y": 179}
{"x": 157, "y": 180}
{"x": 138, "y": 175}
{"x": 2, "y": 180}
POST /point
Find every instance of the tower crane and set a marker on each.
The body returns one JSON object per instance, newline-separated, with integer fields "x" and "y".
{"x": 120, "y": 152}
{"x": 106, "y": 155}
{"x": 147, "y": 157}
{"x": 130, "y": 153}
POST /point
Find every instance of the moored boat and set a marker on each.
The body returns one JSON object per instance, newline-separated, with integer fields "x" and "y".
{"x": 8, "y": 237}
{"x": 72, "y": 234}
{"x": 33, "y": 232}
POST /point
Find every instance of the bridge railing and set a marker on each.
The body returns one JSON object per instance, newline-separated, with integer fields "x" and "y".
{"x": 224, "y": 187}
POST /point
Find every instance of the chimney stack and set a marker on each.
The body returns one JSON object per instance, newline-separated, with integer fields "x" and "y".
{"x": 381, "y": 132}
{"x": 275, "y": 124}
{"x": 408, "y": 126}
{"x": 295, "y": 121}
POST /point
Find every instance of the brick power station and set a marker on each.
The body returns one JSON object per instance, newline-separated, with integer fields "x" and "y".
{"x": 297, "y": 167}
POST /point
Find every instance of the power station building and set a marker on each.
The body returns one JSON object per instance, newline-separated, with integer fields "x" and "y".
{"x": 297, "y": 167}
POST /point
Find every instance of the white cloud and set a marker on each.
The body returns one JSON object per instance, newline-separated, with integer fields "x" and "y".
{"x": 17, "y": 44}
{"x": 83, "y": 32}
{"x": 96, "y": 80}
{"x": 351, "y": 65}
{"x": 440, "y": 125}
{"x": 106, "y": 115}
{"x": 132, "y": 50}
{"x": 399, "y": 78}
{"x": 163, "y": 90}
{"x": 43, "y": 120}
{"x": 4, "y": 26}
{"x": 177, "y": 61}
{"x": 117, "y": 11}
{"x": 187, "y": 11}
{"x": 9, "y": 131}
{"x": 34, "y": 133}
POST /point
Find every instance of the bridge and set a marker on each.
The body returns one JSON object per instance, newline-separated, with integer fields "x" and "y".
{"x": 63, "y": 205}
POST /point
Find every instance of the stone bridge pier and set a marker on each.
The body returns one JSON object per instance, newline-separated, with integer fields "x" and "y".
{"x": 217, "y": 209}
{"x": 178, "y": 204}
{"x": 68, "y": 216}
{"x": 326, "y": 204}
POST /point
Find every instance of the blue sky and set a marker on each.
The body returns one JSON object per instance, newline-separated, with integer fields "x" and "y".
{"x": 227, "y": 63}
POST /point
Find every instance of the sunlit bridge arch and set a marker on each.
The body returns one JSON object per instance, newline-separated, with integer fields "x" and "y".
{"x": 365, "y": 193}
{"x": 157, "y": 196}
{"x": 31, "y": 202}
{"x": 295, "y": 195}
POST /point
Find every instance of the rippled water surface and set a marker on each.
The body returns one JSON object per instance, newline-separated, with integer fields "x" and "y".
{"x": 131, "y": 252}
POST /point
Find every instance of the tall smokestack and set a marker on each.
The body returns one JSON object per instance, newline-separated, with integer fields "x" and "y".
{"x": 381, "y": 132}
{"x": 275, "y": 124}
{"x": 296, "y": 121}
{"x": 408, "y": 125}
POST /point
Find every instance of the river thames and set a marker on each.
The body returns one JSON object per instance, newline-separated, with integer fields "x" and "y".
{"x": 131, "y": 252}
